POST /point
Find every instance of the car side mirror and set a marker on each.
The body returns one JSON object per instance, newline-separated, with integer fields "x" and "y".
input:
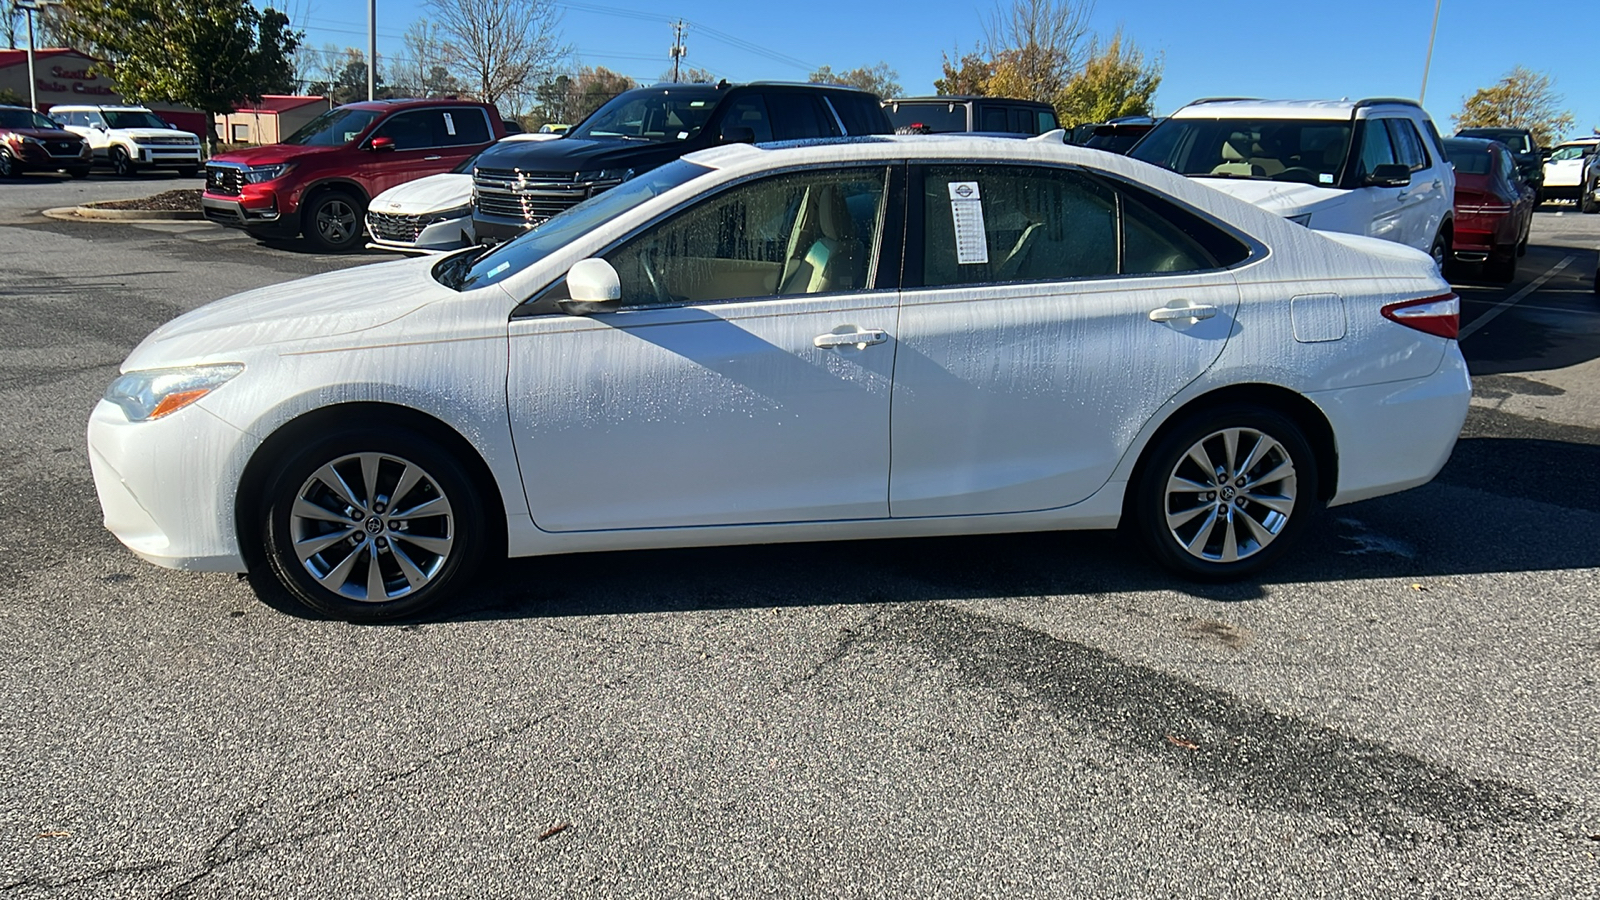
{"x": 592, "y": 287}
{"x": 99, "y": 126}
{"x": 382, "y": 142}
{"x": 1389, "y": 175}
{"x": 738, "y": 134}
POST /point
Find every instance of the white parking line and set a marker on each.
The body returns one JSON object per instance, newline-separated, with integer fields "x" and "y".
{"x": 1514, "y": 299}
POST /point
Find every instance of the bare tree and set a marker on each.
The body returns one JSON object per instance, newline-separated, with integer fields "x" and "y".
{"x": 424, "y": 71}
{"x": 500, "y": 48}
{"x": 1036, "y": 46}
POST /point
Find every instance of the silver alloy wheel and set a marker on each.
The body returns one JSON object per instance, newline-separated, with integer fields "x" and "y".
{"x": 1230, "y": 495}
{"x": 336, "y": 221}
{"x": 372, "y": 527}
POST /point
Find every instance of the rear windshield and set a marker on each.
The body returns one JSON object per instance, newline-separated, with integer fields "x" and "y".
{"x": 1516, "y": 140}
{"x": 655, "y": 117}
{"x": 333, "y": 128}
{"x": 928, "y": 118}
{"x": 1469, "y": 157}
{"x": 1311, "y": 151}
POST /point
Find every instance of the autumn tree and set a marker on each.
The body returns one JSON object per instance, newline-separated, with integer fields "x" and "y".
{"x": 499, "y": 48}
{"x": 878, "y": 79}
{"x": 970, "y": 75}
{"x": 1035, "y": 46}
{"x": 1115, "y": 81}
{"x": 213, "y": 55}
{"x": 1522, "y": 99}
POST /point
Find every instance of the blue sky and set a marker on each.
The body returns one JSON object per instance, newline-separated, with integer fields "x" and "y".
{"x": 1292, "y": 50}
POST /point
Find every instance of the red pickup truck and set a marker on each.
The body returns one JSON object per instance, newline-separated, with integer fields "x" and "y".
{"x": 319, "y": 180}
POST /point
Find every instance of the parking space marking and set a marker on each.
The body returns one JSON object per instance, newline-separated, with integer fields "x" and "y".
{"x": 1514, "y": 299}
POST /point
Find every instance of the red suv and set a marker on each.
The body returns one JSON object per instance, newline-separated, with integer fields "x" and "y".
{"x": 29, "y": 141}
{"x": 319, "y": 180}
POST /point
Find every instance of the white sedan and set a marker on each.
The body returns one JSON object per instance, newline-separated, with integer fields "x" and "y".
{"x": 871, "y": 338}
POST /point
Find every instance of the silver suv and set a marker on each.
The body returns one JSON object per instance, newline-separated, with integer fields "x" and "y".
{"x": 1370, "y": 167}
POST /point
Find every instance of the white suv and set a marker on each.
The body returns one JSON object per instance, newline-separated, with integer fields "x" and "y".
{"x": 1564, "y": 168}
{"x": 131, "y": 138}
{"x": 1371, "y": 167}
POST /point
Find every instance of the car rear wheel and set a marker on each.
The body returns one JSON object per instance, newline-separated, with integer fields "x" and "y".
{"x": 81, "y": 172}
{"x": 1440, "y": 251}
{"x": 333, "y": 222}
{"x": 123, "y": 163}
{"x": 1590, "y": 203}
{"x": 371, "y": 523}
{"x": 1226, "y": 493}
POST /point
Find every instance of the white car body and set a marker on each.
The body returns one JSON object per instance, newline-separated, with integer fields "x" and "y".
{"x": 1416, "y": 214}
{"x": 1563, "y": 170}
{"x": 146, "y": 147}
{"x": 430, "y": 215}
{"x": 1016, "y": 406}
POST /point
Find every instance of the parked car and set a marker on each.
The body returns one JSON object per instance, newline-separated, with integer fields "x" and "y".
{"x": 30, "y": 142}
{"x": 1524, "y": 150}
{"x": 1494, "y": 206}
{"x": 517, "y": 186}
{"x": 131, "y": 138}
{"x": 707, "y": 353}
{"x": 1119, "y": 135}
{"x": 956, "y": 113}
{"x": 1372, "y": 167}
{"x": 432, "y": 214}
{"x": 1589, "y": 195}
{"x": 319, "y": 180}
{"x": 1563, "y": 171}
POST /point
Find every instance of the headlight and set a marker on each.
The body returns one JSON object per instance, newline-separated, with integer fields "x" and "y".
{"x": 1302, "y": 219}
{"x": 616, "y": 175}
{"x": 258, "y": 174}
{"x": 455, "y": 212}
{"x": 32, "y": 140}
{"x": 154, "y": 393}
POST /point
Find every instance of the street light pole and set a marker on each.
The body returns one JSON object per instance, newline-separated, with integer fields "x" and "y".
{"x": 1422, "y": 94}
{"x": 372, "y": 49}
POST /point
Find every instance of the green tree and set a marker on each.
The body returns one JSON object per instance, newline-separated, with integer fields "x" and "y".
{"x": 1522, "y": 99}
{"x": 1114, "y": 81}
{"x": 878, "y": 79}
{"x": 349, "y": 82}
{"x": 968, "y": 76}
{"x": 213, "y": 55}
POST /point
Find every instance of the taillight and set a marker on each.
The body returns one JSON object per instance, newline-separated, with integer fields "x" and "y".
{"x": 1439, "y": 315}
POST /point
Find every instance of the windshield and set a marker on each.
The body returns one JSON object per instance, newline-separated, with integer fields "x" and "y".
{"x": 133, "y": 120}
{"x": 1312, "y": 151}
{"x": 22, "y": 118}
{"x": 464, "y": 272}
{"x": 652, "y": 116}
{"x": 928, "y": 118}
{"x": 1468, "y": 157}
{"x": 332, "y": 128}
{"x": 1516, "y": 140}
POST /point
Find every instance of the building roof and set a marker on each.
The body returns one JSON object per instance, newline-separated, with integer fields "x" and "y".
{"x": 277, "y": 103}
{"x": 10, "y": 58}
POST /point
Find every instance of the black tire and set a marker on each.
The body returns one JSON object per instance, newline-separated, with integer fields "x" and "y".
{"x": 1157, "y": 513}
{"x": 123, "y": 163}
{"x": 334, "y": 222}
{"x": 8, "y": 165}
{"x": 79, "y": 173}
{"x": 1589, "y": 203}
{"x": 188, "y": 172}
{"x": 442, "y": 546}
{"x": 1501, "y": 266}
{"x": 1440, "y": 251}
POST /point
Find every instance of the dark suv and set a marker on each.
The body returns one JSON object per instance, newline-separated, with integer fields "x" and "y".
{"x": 1524, "y": 152}
{"x": 31, "y": 142}
{"x": 320, "y": 179}
{"x": 517, "y": 185}
{"x": 995, "y": 115}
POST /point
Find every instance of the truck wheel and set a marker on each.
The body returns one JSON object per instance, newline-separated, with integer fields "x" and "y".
{"x": 333, "y": 222}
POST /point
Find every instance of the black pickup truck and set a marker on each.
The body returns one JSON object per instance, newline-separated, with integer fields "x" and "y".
{"x": 516, "y": 186}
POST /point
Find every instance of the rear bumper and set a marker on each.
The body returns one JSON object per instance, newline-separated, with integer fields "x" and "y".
{"x": 1391, "y": 437}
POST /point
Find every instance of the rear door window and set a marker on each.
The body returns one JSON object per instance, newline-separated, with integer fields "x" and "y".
{"x": 747, "y": 111}
{"x": 994, "y": 119}
{"x": 799, "y": 117}
{"x": 860, "y": 113}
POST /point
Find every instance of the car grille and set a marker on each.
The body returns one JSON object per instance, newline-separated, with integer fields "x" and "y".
{"x": 182, "y": 141}
{"x": 64, "y": 148}
{"x": 531, "y": 196}
{"x": 222, "y": 180}
{"x": 390, "y": 227}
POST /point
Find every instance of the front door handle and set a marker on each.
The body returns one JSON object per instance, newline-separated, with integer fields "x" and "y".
{"x": 856, "y": 339}
{"x": 1175, "y": 313}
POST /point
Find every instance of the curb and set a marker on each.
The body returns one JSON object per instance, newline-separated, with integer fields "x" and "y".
{"x": 124, "y": 216}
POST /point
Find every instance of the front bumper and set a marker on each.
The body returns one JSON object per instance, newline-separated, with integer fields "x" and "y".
{"x": 1396, "y": 436}
{"x": 50, "y": 158}
{"x": 166, "y": 486}
{"x": 170, "y": 155}
{"x": 257, "y": 213}
{"x": 409, "y": 234}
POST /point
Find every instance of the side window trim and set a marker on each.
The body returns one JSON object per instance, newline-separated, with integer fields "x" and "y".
{"x": 837, "y": 121}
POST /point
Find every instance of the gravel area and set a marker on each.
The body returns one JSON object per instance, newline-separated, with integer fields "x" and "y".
{"x": 187, "y": 199}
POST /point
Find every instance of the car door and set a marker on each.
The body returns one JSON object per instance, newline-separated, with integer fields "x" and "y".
{"x": 1385, "y": 206}
{"x": 1565, "y": 166}
{"x": 746, "y": 379}
{"x": 426, "y": 142}
{"x": 1425, "y": 202}
{"x": 1046, "y": 317}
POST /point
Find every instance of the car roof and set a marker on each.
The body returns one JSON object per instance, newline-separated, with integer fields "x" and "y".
{"x": 1581, "y": 141}
{"x": 406, "y": 102}
{"x": 967, "y": 98}
{"x": 1239, "y": 107}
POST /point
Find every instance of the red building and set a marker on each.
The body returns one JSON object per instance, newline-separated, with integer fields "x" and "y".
{"x": 62, "y": 76}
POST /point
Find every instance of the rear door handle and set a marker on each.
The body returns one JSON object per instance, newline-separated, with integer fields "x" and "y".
{"x": 432, "y": 157}
{"x": 1175, "y": 313}
{"x": 857, "y": 339}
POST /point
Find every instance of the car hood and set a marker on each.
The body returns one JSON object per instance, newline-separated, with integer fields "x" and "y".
{"x": 435, "y": 192}
{"x": 1286, "y": 198}
{"x": 142, "y": 133}
{"x": 571, "y": 154}
{"x": 44, "y": 134}
{"x": 327, "y": 305}
{"x": 271, "y": 154}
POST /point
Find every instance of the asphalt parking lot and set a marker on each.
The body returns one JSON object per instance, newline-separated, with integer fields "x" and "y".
{"x": 1407, "y": 708}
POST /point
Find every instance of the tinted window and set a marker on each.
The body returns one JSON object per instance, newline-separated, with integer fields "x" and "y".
{"x": 747, "y": 111}
{"x": 1469, "y": 157}
{"x": 23, "y": 118}
{"x": 1017, "y": 224}
{"x": 799, "y": 116}
{"x": 414, "y": 130}
{"x": 463, "y": 126}
{"x": 802, "y": 233}
{"x": 993, "y": 119}
{"x": 1407, "y": 144}
{"x": 934, "y": 118}
{"x": 1376, "y": 148}
{"x": 1153, "y": 244}
{"x": 860, "y": 113}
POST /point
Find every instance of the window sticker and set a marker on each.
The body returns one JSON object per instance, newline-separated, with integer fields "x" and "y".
{"x": 697, "y": 103}
{"x": 683, "y": 135}
{"x": 449, "y": 124}
{"x": 498, "y": 269}
{"x": 1324, "y": 178}
{"x": 966, "y": 207}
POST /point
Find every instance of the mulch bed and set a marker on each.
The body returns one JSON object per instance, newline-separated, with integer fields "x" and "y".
{"x": 177, "y": 201}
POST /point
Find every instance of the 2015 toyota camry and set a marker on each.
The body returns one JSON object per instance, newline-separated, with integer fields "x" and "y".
{"x": 869, "y": 338}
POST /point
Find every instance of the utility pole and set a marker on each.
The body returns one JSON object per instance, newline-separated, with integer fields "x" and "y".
{"x": 372, "y": 49}
{"x": 678, "y": 49}
{"x": 1422, "y": 94}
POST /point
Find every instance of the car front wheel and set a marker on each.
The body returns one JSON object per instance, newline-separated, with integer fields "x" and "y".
{"x": 8, "y": 165}
{"x": 371, "y": 524}
{"x": 123, "y": 163}
{"x": 1225, "y": 493}
{"x": 333, "y": 222}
